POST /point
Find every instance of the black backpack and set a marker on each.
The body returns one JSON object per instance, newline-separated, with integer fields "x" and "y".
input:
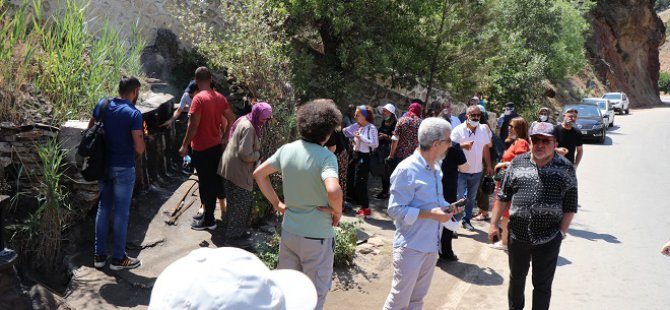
{"x": 92, "y": 148}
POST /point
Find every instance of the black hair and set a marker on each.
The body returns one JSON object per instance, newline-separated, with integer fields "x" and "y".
{"x": 317, "y": 119}
{"x": 128, "y": 84}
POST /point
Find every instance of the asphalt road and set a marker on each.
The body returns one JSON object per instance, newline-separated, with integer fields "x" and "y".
{"x": 611, "y": 258}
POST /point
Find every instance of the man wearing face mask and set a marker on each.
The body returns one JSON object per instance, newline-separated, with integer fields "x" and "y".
{"x": 507, "y": 117}
{"x": 569, "y": 138}
{"x": 475, "y": 140}
{"x": 543, "y": 116}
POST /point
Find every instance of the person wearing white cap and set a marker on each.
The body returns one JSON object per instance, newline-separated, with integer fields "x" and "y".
{"x": 542, "y": 189}
{"x": 232, "y": 279}
{"x": 385, "y": 135}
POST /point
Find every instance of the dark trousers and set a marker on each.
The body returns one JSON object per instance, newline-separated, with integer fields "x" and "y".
{"x": 445, "y": 243}
{"x": 206, "y": 163}
{"x": 544, "y": 258}
{"x": 386, "y": 180}
{"x": 358, "y": 171}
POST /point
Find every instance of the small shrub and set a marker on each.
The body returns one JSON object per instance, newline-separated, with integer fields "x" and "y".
{"x": 345, "y": 246}
{"x": 345, "y": 243}
{"x": 664, "y": 82}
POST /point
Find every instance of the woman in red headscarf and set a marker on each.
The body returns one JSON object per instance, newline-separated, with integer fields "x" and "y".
{"x": 237, "y": 167}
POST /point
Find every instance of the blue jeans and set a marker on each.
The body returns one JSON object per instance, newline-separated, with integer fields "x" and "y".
{"x": 116, "y": 191}
{"x": 468, "y": 183}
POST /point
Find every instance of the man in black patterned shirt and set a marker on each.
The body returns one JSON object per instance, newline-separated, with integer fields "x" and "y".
{"x": 542, "y": 187}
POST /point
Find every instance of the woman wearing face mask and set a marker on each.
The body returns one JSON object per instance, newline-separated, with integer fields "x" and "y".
{"x": 518, "y": 140}
{"x": 365, "y": 139}
{"x": 385, "y": 134}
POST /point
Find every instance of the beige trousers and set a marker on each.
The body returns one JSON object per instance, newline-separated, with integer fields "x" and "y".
{"x": 412, "y": 273}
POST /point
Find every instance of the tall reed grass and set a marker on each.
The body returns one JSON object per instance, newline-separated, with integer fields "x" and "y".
{"x": 72, "y": 66}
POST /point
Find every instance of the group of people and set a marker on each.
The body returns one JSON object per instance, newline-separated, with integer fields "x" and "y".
{"x": 435, "y": 162}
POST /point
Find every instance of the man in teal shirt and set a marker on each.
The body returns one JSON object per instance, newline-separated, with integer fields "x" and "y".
{"x": 312, "y": 194}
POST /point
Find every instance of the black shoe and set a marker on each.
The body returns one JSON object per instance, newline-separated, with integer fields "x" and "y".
{"x": 125, "y": 263}
{"x": 202, "y": 225}
{"x": 468, "y": 226}
{"x": 99, "y": 261}
{"x": 449, "y": 258}
{"x": 382, "y": 196}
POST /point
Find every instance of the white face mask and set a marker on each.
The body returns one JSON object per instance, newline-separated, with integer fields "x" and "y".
{"x": 513, "y": 137}
{"x": 543, "y": 118}
{"x": 508, "y": 112}
{"x": 473, "y": 123}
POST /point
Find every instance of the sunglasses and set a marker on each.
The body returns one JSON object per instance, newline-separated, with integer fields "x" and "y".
{"x": 476, "y": 115}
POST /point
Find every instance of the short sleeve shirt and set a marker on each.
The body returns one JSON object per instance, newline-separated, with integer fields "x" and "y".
{"x": 540, "y": 197}
{"x": 569, "y": 139}
{"x": 407, "y": 133}
{"x": 304, "y": 167}
{"x": 455, "y": 157}
{"x": 481, "y": 137}
{"x": 120, "y": 118}
{"x": 210, "y": 105}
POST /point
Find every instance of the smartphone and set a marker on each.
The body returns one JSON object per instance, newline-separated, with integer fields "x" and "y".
{"x": 459, "y": 203}
{"x": 495, "y": 239}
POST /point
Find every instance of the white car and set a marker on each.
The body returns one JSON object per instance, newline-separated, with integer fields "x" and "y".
{"x": 619, "y": 101}
{"x": 606, "y": 109}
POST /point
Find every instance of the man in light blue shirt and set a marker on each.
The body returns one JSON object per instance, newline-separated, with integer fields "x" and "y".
{"x": 417, "y": 207}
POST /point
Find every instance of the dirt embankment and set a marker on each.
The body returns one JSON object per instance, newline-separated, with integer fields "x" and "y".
{"x": 624, "y": 48}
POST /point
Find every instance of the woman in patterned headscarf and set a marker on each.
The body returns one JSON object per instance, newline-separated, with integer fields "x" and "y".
{"x": 237, "y": 167}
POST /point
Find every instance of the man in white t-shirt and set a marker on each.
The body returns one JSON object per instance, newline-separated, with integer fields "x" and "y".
{"x": 475, "y": 140}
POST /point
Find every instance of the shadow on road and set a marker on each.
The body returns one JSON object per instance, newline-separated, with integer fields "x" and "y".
{"x": 608, "y": 141}
{"x": 562, "y": 261}
{"x": 347, "y": 278}
{"x": 471, "y": 273}
{"x": 591, "y": 236}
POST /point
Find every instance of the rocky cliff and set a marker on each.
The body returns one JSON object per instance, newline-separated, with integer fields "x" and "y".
{"x": 626, "y": 35}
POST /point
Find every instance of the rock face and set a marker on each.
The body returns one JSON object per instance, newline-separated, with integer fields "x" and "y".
{"x": 624, "y": 48}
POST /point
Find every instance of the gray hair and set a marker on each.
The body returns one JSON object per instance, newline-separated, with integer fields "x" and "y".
{"x": 433, "y": 129}
{"x": 472, "y": 109}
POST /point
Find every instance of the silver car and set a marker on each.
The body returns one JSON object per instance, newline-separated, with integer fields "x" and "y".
{"x": 619, "y": 101}
{"x": 606, "y": 109}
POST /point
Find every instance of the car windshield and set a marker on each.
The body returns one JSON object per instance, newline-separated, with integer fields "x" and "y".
{"x": 602, "y": 104}
{"x": 612, "y": 96}
{"x": 585, "y": 110}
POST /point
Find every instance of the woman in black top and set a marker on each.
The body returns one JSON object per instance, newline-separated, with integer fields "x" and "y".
{"x": 385, "y": 134}
{"x": 454, "y": 159}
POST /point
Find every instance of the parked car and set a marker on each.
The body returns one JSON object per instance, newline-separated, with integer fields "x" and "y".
{"x": 606, "y": 109}
{"x": 589, "y": 121}
{"x": 619, "y": 101}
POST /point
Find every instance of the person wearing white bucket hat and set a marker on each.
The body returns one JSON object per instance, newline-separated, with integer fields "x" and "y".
{"x": 385, "y": 139}
{"x": 229, "y": 278}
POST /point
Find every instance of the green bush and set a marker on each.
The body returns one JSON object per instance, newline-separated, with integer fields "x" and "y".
{"x": 664, "y": 82}
{"x": 345, "y": 246}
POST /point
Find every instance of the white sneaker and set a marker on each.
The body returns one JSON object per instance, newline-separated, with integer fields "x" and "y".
{"x": 499, "y": 246}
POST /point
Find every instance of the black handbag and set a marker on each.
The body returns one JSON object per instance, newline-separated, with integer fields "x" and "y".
{"x": 500, "y": 175}
{"x": 488, "y": 185}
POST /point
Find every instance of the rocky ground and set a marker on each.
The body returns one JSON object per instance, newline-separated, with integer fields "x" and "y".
{"x": 159, "y": 244}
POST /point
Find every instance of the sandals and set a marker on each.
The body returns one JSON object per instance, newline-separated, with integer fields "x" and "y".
{"x": 481, "y": 217}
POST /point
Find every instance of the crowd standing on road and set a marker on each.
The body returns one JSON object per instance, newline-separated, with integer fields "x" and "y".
{"x": 434, "y": 168}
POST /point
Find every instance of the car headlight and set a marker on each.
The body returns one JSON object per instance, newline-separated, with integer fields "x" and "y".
{"x": 597, "y": 126}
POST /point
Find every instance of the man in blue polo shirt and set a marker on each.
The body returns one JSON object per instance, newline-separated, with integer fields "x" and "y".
{"x": 123, "y": 142}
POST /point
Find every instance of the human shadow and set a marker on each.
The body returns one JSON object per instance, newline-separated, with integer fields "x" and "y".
{"x": 345, "y": 277}
{"x": 591, "y": 236}
{"x": 136, "y": 291}
{"x": 471, "y": 273}
{"x": 562, "y": 261}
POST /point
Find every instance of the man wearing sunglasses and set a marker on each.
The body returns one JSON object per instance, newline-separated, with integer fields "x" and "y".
{"x": 542, "y": 187}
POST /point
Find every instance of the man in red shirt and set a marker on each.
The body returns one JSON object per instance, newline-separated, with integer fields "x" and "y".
{"x": 206, "y": 133}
